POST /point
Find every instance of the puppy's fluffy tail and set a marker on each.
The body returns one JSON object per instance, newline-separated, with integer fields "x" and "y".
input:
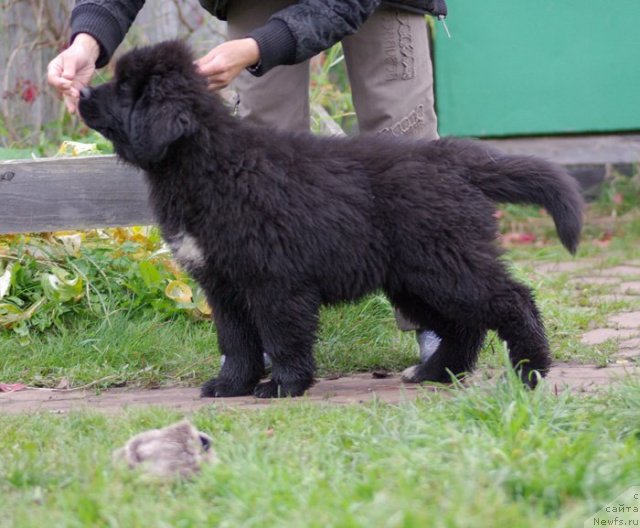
{"x": 526, "y": 180}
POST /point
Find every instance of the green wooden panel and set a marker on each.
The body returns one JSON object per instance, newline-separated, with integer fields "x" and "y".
{"x": 551, "y": 66}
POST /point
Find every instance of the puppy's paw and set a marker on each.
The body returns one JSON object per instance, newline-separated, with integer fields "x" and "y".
{"x": 530, "y": 377}
{"x": 410, "y": 375}
{"x": 223, "y": 388}
{"x": 273, "y": 389}
{"x": 424, "y": 372}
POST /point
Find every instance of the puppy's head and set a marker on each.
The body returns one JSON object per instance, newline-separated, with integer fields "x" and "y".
{"x": 149, "y": 105}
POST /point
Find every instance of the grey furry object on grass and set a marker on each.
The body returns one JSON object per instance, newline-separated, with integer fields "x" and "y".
{"x": 177, "y": 450}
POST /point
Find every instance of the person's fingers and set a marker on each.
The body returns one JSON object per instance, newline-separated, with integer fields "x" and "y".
{"x": 223, "y": 63}
{"x": 70, "y": 103}
{"x": 212, "y": 67}
{"x": 64, "y": 87}
{"x": 69, "y": 68}
{"x": 206, "y": 58}
{"x": 54, "y": 75}
{"x": 215, "y": 82}
{"x": 201, "y": 65}
{"x": 68, "y": 73}
{"x": 215, "y": 86}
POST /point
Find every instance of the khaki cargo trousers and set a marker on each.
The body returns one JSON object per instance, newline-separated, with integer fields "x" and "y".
{"x": 390, "y": 72}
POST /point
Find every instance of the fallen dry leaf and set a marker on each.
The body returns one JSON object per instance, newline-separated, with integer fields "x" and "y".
{"x": 12, "y": 387}
{"x": 64, "y": 384}
{"x": 605, "y": 239}
{"x": 519, "y": 238}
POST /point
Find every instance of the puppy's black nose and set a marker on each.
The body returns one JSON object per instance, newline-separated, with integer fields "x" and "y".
{"x": 85, "y": 92}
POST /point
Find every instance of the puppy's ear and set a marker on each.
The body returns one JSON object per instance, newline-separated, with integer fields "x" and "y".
{"x": 156, "y": 131}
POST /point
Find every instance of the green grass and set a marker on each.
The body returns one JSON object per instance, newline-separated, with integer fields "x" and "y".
{"x": 153, "y": 351}
{"x": 353, "y": 338}
{"x": 487, "y": 455}
{"x": 125, "y": 345}
{"x": 481, "y": 457}
{"x": 141, "y": 351}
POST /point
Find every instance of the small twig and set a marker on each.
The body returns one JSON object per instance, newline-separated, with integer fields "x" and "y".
{"x": 72, "y": 389}
{"x": 183, "y": 19}
{"x": 178, "y": 375}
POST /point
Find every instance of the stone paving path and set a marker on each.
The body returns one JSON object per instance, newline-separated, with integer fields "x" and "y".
{"x": 617, "y": 282}
{"x": 623, "y": 284}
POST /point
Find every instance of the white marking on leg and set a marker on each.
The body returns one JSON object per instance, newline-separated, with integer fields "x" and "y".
{"x": 428, "y": 343}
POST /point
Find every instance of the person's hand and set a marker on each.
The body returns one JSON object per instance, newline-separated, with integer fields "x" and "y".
{"x": 72, "y": 70}
{"x": 224, "y": 62}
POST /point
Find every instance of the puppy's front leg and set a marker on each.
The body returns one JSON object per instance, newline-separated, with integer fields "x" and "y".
{"x": 239, "y": 341}
{"x": 287, "y": 327}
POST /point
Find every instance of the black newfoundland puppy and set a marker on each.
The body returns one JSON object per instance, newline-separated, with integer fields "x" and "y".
{"x": 273, "y": 225}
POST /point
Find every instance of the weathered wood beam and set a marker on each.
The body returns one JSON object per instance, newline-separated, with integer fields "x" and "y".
{"x": 53, "y": 194}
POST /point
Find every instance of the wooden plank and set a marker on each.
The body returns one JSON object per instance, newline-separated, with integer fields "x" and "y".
{"x": 53, "y": 194}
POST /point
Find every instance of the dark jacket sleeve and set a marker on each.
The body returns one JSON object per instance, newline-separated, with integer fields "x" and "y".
{"x": 307, "y": 27}
{"x": 106, "y": 20}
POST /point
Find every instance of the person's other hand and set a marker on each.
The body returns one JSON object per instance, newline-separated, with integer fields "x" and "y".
{"x": 72, "y": 69}
{"x": 224, "y": 62}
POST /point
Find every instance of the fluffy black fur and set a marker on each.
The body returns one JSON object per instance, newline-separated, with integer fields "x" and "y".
{"x": 273, "y": 225}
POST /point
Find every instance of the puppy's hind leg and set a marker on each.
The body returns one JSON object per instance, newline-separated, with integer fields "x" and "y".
{"x": 455, "y": 356}
{"x": 517, "y": 320}
{"x": 457, "y": 352}
{"x": 239, "y": 341}
{"x": 287, "y": 327}
{"x": 459, "y": 346}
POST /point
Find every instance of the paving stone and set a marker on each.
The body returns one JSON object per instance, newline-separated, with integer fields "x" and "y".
{"x": 587, "y": 378}
{"x": 359, "y": 388}
{"x": 630, "y": 287}
{"x": 629, "y": 353}
{"x": 625, "y": 361}
{"x": 568, "y": 266}
{"x": 559, "y": 267}
{"x": 600, "y": 335}
{"x": 611, "y": 298}
{"x": 598, "y": 281}
{"x": 623, "y": 271}
{"x": 626, "y": 320}
{"x": 355, "y": 389}
{"x": 630, "y": 344}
